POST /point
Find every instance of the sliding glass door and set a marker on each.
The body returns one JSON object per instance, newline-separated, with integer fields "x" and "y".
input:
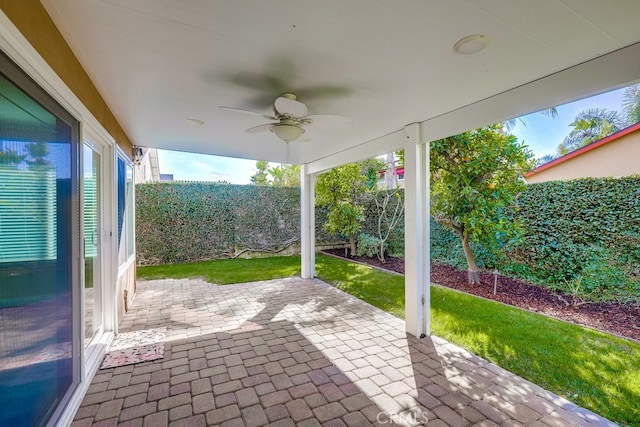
{"x": 39, "y": 211}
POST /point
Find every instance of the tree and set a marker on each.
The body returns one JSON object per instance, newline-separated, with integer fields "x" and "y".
{"x": 390, "y": 177}
{"x": 38, "y": 151}
{"x": 285, "y": 175}
{"x": 370, "y": 169}
{"x": 400, "y": 155}
{"x": 393, "y": 159}
{"x": 390, "y": 208}
{"x": 631, "y": 104}
{"x": 475, "y": 178}
{"x": 343, "y": 191}
{"x": 11, "y": 158}
{"x": 545, "y": 159}
{"x": 278, "y": 176}
{"x": 511, "y": 123}
{"x": 261, "y": 176}
{"x": 589, "y": 126}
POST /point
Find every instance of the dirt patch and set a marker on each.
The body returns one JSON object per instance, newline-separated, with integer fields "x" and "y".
{"x": 618, "y": 319}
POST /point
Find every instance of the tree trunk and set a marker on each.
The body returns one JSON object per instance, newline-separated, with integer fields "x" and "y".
{"x": 473, "y": 273}
{"x": 390, "y": 173}
{"x": 352, "y": 242}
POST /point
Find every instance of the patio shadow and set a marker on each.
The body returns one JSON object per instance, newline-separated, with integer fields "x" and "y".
{"x": 291, "y": 352}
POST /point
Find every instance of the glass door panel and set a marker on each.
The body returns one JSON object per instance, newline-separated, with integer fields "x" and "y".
{"x": 92, "y": 273}
{"x": 38, "y": 151}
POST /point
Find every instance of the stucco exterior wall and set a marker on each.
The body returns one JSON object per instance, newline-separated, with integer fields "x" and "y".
{"x": 620, "y": 157}
{"x": 33, "y": 21}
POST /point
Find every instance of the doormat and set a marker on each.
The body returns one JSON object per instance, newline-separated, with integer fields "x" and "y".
{"x": 135, "y": 347}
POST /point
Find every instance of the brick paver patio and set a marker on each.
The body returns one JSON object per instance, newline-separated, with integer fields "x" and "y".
{"x": 300, "y": 352}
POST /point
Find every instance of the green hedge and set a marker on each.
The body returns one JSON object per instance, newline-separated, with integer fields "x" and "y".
{"x": 187, "y": 222}
{"x": 582, "y": 233}
{"x": 582, "y": 236}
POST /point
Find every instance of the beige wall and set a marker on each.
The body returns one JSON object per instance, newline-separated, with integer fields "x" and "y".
{"x": 620, "y": 157}
{"x": 30, "y": 17}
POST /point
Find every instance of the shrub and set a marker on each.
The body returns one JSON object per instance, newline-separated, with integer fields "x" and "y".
{"x": 446, "y": 247}
{"x": 368, "y": 245}
{"x": 395, "y": 244}
{"x": 602, "y": 278}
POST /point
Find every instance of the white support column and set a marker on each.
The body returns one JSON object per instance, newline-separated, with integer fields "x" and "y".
{"x": 307, "y": 222}
{"x": 416, "y": 234}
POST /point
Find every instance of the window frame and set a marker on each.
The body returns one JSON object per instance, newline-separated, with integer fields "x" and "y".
{"x": 126, "y": 229}
{"x": 22, "y": 79}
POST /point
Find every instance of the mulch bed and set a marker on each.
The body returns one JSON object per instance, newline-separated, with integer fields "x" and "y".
{"x": 618, "y": 319}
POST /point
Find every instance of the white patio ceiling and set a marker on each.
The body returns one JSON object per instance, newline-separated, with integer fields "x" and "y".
{"x": 158, "y": 63}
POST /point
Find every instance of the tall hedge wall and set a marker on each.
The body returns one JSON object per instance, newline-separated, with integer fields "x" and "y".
{"x": 568, "y": 217}
{"x": 584, "y": 229}
{"x": 581, "y": 233}
{"x": 581, "y": 237}
{"x": 186, "y": 222}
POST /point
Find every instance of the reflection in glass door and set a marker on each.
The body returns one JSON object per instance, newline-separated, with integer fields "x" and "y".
{"x": 91, "y": 203}
{"x": 38, "y": 249}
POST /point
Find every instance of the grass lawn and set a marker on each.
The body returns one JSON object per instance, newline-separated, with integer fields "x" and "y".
{"x": 595, "y": 370}
{"x": 227, "y": 271}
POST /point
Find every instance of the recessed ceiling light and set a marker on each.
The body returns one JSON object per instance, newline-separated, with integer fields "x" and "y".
{"x": 471, "y": 44}
{"x": 195, "y": 122}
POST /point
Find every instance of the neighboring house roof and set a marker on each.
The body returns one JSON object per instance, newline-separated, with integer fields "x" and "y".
{"x": 596, "y": 144}
{"x": 399, "y": 171}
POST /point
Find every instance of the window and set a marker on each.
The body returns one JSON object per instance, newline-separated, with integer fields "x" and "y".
{"x": 125, "y": 210}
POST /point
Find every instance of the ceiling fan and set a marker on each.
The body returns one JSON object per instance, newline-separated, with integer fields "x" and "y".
{"x": 292, "y": 121}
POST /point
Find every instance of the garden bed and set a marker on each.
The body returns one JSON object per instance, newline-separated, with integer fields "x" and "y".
{"x": 614, "y": 318}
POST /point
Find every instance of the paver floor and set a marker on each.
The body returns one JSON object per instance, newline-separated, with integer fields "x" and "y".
{"x": 300, "y": 352}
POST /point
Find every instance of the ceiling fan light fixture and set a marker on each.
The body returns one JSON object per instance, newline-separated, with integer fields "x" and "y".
{"x": 287, "y": 132}
{"x": 471, "y": 44}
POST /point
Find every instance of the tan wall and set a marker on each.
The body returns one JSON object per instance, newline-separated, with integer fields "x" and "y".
{"x": 30, "y": 17}
{"x": 620, "y": 157}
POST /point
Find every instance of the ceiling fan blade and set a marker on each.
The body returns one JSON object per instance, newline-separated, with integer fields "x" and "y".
{"x": 322, "y": 92}
{"x": 258, "y": 81}
{"x": 309, "y": 134}
{"x": 290, "y": 107}
{"x": 328, "y": 121}
{"x": 254, "y": 113}
{"x": 260, "y": 101}
{"x": 260, "y": 128}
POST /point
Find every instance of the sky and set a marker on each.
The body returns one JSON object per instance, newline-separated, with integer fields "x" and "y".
{"x": 201, "y": 167}
{"x": 543, "y": 134}
{"x": 540, "y": 133}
